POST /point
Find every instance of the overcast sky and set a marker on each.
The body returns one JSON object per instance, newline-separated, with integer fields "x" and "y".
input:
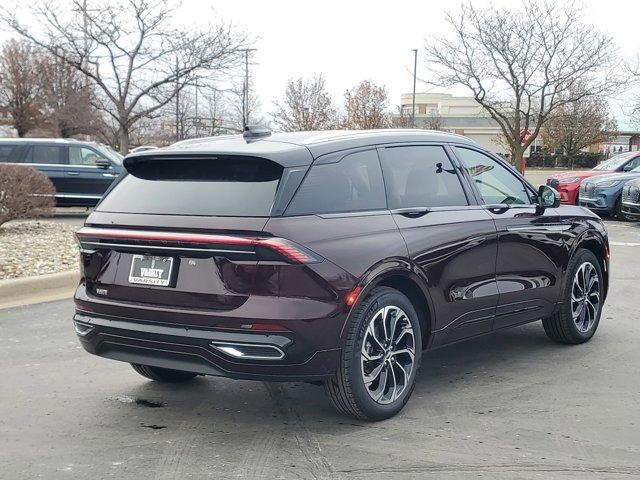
{"x": 351, "y": 40}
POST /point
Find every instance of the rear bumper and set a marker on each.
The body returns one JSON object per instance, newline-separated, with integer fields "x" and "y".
{"x": 198, "y": 350}
{"x": 306, "y": 347}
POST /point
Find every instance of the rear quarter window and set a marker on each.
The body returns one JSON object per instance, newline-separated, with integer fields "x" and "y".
{"x": 352, "y": 184}
{"x": 219, "y": 186}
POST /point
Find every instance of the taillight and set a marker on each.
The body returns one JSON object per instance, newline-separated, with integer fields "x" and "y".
{"x": 283, "y": 247}
{"x": 290, "y": 250}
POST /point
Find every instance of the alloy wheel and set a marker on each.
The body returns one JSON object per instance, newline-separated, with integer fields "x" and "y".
{"x": 388, "y": 354}
{"x": 585, "y": 297}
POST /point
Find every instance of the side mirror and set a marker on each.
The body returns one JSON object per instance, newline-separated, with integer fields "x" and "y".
{"x": 548, "y": 197}
{"x": 627, "y": 168}
{"x": 102, "y": 162}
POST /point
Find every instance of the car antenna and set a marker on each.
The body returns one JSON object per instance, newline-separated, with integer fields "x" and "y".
{"x": 252, "y": 132}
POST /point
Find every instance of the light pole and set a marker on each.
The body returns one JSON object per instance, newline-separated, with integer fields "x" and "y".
{"x": 413, "y": 108}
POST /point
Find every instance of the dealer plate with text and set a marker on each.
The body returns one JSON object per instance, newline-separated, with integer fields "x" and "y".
{"x": 151, "y": 270}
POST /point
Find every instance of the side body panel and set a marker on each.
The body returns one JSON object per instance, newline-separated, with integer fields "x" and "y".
{"x": 456, "y": 250}
{"x": 53, "y": 167}
{"x": 531, "y": 252}
{"x": 90, "y": 181}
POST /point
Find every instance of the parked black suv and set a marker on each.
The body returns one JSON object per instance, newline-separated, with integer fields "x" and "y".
{"x": 80, "y": 171}
{"x": 333, "y": 257}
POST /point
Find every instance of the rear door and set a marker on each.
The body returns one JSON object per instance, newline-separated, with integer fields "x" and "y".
{"x": 449, "y": 238}
{"x": 51, "y": 160}
{"x": 340, "y": 211}
{"x": 531, "y": 244}
{"x": 84, "y": 178}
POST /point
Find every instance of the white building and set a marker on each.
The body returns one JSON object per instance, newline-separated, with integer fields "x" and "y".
{"x": 461, "y": 115}
{"x": 465, "y": 116}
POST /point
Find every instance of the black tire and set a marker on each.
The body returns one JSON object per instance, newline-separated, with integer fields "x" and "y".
{"x": 561, "y": 327}
{"x": 618, "y": 211}
{"x": 346, "y": 389}
{"x": 163, "y": 374}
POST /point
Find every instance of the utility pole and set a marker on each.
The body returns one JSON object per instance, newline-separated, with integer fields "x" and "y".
{"x": 245, "y": 89}
{"x": 415, "y": 67}
{"x": 177, "y": 102}
{"x": 196, "y": 80}
{"x": 85, "y": 34}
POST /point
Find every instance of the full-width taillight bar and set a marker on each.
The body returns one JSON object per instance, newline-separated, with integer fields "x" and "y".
{"x": 288, "y": 249}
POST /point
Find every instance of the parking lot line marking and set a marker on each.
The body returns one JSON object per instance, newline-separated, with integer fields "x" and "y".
{"x": 625, "y": 244}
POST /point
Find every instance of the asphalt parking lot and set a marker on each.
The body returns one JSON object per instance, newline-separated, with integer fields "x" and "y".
{"x": 511, "y": 405}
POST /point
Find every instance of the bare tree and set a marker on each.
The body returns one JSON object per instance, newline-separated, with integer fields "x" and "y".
{"x": 130, "y": 50}
{"x": 20, "y": 86}
{"x": 521, "y": 64}
{"x": 632, "y": 68}
{"x": 68, "y": 98}
{"x": 234, "y": 103}
{"x": 577, "y": 125}
{"x": 366, "y": 106}
{"x": 306, "y": 106}
{"x": 223, "y": 116}
{"x": 434, "y": 122}
{"x": 401, "y": 119}
{"x": 183, "y": 109}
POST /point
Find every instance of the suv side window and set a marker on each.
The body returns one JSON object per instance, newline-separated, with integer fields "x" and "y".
{"x": 83, "y": 156}
{"x": 8, "y": 153}
{"x": 421, "y": 176}
{"x": 46, "y": 154}
{"x": 350, "y": 185}
{"x": 496, "y": 183}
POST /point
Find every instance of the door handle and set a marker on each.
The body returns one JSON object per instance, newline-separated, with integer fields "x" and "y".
{"x": 73, "y": 173}
{"x": 109, "y": 175}
{"x": 412, "y": 212}
{"x": 497, "y": 207}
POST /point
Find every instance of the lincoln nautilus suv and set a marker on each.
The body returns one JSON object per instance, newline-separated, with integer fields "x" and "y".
{"x": 335, "y": 258}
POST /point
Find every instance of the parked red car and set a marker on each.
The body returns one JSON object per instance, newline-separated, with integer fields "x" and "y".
{"x": 568, "y": 183}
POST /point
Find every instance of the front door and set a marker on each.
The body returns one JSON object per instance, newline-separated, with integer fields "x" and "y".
{"x": 85, "y": 178}
{"x": 530, "y": 240}
{"x": 452, "y": 242}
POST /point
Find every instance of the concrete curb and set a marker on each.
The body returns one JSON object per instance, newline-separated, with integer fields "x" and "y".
{"x": 42, "y": 288}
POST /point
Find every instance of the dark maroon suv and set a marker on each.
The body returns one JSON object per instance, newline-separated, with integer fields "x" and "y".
{"x": 333, "y": 257}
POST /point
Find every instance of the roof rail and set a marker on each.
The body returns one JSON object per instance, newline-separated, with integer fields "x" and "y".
{"x": 252, "y": 132}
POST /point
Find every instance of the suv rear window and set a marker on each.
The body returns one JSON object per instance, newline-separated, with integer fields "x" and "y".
{"x": 219, "y": 186}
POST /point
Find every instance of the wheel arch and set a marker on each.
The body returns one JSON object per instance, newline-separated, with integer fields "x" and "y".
{"x": 597, "y": 245}
{"x": 403, "y": 276}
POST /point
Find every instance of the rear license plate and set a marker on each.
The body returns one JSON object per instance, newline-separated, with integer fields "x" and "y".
{"x": 151, "y": 270}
